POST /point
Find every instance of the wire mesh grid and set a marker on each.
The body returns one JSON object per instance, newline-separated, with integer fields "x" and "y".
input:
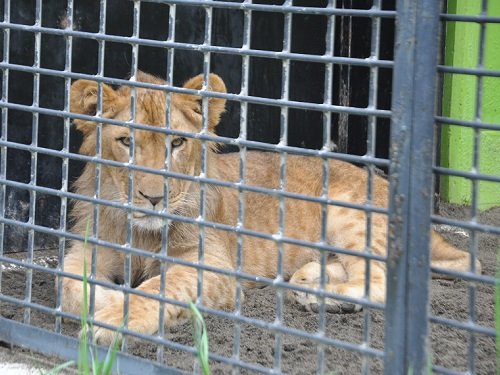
{"x": 340, "y": 342}
{"x": 476, "y": 67}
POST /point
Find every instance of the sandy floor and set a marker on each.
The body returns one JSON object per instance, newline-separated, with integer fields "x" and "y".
{"x": 299, "y": 356}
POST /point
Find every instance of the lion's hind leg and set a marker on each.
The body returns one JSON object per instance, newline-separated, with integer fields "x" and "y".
{"x": 346, "y": 277}
{"x": 347, "y": 230}
{"x": 445, "y": 255}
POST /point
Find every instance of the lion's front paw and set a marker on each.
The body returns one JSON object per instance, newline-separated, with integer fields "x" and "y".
{"x": 308, "y": 277}
{"x": 103, "y": 336}
{"x": 113, "y": 316}
{"x": 311, "y": 302}
{"x": 143, "y": 317}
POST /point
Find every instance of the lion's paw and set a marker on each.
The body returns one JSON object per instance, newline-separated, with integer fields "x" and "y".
{"x": 100, "y": 336}
{"x": 110, "y": 316}
{"x": 103, "y": 336}
{"x": 311, "y": 302}
{"x": 308, "y": 277}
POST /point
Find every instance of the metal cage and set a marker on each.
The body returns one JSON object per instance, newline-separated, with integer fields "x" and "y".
{"x": 360, "y": 82}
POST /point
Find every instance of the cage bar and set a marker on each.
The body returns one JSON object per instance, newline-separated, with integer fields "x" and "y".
{"x": 327, "y": 145}
{"x": 412, "y": 113}
{"x": 5, "y": 117}
{"x": 414, "y": 87}
{"x": 65, "y": 165}
{"x": 245, "y": 68}
{"x": 168, "y": 154}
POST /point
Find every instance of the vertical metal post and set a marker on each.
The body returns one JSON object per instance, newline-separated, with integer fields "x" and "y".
{"x": 327, "y": 140}
{"x": 98, "y": 154}
{"x": 473, "y": 243}
{"x": 65, "y": 164}
{"x": 284, "y": 116}
{"x": 412, "y": 147}
{"x": 172, "y": 14}
{"x": 127, "y": 267}
{"x": 4, "y": 127}
{"x": 34, "y": 161}
{"x": 370, "y": 169}
{"x": 245, "y": 77}
{"x": 207, "y": 41}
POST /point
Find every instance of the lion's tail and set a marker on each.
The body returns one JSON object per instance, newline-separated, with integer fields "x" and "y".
{"x": 445, "y": 255}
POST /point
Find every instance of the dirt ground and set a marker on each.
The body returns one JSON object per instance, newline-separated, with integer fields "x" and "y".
{"x": 449, "y": 298}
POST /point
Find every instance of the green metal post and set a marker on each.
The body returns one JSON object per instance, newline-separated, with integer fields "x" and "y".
{"x": 459, "y": 100}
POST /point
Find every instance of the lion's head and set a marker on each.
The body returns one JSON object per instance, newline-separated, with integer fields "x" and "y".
{"x": 149, "y": 146}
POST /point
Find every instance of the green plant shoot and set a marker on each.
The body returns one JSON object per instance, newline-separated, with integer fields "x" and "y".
{"x": 200, "y": 338}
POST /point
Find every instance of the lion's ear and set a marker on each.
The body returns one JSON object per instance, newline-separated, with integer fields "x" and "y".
{"x": 84, "y": 101}
{"x": 216, "y": 106}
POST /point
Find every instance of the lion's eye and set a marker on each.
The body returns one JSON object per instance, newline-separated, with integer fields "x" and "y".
{"x": 124, "y": 141}
{"x": 177, "y": 142}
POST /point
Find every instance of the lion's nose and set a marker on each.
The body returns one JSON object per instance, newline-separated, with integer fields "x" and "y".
{"x": 154, "y": 200}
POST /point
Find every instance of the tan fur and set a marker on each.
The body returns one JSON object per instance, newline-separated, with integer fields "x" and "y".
{"x": 346, "y": 227}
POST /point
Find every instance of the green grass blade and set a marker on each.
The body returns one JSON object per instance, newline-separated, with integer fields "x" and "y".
{"x": 85, "y": 349}
{"x": 112, "y": 352}
{"x": 83, "y": 359}
{"x": 94, "y": 359}
{"x": 200, "y": 338}
{"x": 83, "y": 362}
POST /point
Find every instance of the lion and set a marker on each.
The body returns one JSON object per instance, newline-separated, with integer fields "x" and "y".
{"x": 261, "y": 255}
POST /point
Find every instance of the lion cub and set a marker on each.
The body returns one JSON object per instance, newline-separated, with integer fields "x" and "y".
{"x": 346, "y": 227}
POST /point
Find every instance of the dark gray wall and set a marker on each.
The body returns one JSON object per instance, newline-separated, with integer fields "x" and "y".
{"x": 307, "y": 82}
